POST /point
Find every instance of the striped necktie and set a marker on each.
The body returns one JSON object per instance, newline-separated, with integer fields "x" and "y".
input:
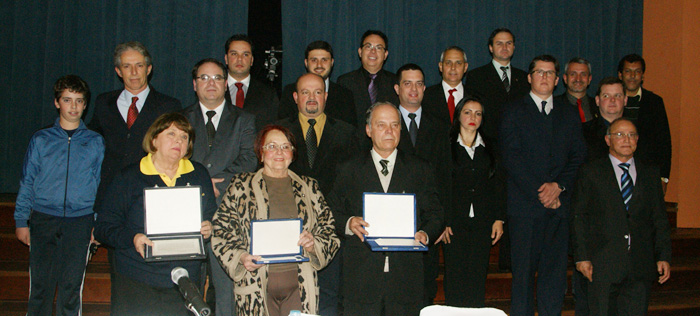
{"x": 626, "y": 184}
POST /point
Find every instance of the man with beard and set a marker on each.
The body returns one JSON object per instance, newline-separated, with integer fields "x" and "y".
{"x": 577, "y": 77}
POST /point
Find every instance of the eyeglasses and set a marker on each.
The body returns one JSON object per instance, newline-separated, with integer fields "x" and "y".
{"x": 275, "y": 147}
{"x": 206, "y": 78}
{"x": 542, "y": 73}
{"x": 369, "y": 46}
{"x": 624, "y": 135}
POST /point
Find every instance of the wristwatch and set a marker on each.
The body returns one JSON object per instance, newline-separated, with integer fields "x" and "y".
{"x": 664, "y": 180}
{"x": 561, "y": 187}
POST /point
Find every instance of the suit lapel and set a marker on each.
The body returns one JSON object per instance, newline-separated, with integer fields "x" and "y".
{"x": 200, "y": 142}
{"x": 610, "y": 179}
{"x": 371, "y": 181}
{"x": 492, "y": 75}
{"x": 398, "y": 176}
{"x": 226, "y": 126}
{"x": 327, "y": 139}
{"x": 302, "y": 158}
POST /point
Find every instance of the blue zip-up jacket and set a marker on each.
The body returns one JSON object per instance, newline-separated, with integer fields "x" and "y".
{"x": 60, "y": 174}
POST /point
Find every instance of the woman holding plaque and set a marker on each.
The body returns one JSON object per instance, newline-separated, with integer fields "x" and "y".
{"x": 274, "y": 192}
{"x": 474, "y": 220}
{"x": 140, "y": 287}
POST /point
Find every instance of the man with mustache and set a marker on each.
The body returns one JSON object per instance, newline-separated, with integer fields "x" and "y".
{"x": 440, "y": 99}
{"x": 577, "y": 77}
{"x": 340, "y": 104}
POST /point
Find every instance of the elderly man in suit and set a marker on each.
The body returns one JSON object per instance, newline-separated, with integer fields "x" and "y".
{"x": 323, "y": 142}
{"x": 224, "y": 145}
{"x": 339, "y": 103}
{"x": 246, "y": 92}
{"x": 542, "y": 148}
{"x": 622, "y": 237}
{"x": 577, "y": 77}
{"x": 383, "y": 283}
{"x": 440, "y": 99}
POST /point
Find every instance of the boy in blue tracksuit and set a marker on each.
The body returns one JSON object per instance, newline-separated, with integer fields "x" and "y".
{"x": 54, "y": 210}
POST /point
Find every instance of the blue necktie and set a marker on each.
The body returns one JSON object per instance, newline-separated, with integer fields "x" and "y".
{"x": 626, "y": 184}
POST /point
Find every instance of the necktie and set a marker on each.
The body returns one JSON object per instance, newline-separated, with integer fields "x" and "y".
{"x": 211, "y": 131}
{"x": 413, "y": 128}
{"x": 506, "y": 82}
{"x": 626, "y": 184}
{"x": 543, "y": 110}
{"x": 311, "y": 143}
{"x": 580, "y": 111}
{"x": 384, "y": 164}
{"x": 451, "y": 103}
{"x": 240, "y": 97}
{"x": 372, "y": 89}
{"x": 133, "y": 113}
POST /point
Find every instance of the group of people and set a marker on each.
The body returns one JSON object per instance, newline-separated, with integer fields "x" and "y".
{"x": 493, "y": 158}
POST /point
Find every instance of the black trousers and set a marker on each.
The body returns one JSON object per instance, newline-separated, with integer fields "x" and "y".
{"x": 626, "y": 298}
{"x": 134, "y": 298}
{"x": 57, "y": 259}
{"x": 467, "y": 264}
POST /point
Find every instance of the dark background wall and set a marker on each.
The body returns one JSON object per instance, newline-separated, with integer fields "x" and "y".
{"x": 43, "y": 40}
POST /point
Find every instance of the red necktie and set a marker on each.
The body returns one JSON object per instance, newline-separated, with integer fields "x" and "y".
{"x": 133, "y": 113}
{"x": 580, "y": 111}
{"x": 451, "y": 103}
{"x": 240, "y": 98}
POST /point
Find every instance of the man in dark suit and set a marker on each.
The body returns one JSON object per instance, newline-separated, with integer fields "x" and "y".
{"x": 370, "y": 83}
{"x": 426, "y": 137}
{"x": 224, "y": 145}
{"x": 339, "y": 105}
{"x": 542, "y": 147}
{"x": 320, "y": 149}
{"x": 648, "y": 111}
{"x": 440, "y": 100}
{"x": 577, "y": 77}
{"x": 246, "y": 92}
{"x": 611, "y": 100}
{"x": 383, "y": 283}
{"x": 622, "y": 237}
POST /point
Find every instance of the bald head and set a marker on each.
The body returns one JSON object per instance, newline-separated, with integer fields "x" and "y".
{"x": 310, "y": 95}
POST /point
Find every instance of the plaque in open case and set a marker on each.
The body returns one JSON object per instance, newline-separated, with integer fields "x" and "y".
{"x": 392, "y": 222}
{"x": 173, "y": 218}
{"x": 275, "y": 240}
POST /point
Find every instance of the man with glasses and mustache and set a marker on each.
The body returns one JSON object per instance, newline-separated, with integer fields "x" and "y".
{"x": 577, "y": 77}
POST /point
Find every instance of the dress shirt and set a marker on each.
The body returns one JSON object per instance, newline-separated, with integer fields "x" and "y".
{"x": 232, "y": 89}
{"x": 459, "y": 94}
{"x": 328, "y": 83}
{"x": 124, "y": 101}
{"x": 618, "y": 171}
{"x": 216, "y": 118}
{"x": 471, "y": 150}
{"x": 320, "y": 123}
{"x": 407, "y": 120}
{"x": 548, "y": 107}
{"x": 584, "y": 105}
{"x": 498, "y": 66}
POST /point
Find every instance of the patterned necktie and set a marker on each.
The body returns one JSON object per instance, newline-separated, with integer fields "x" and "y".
{"x": 451, "y": 103}
{"x": 580, "y": 111}
{"x": 372, "y": 88}
{"x": 240, "y": 97}
{"x": 132, "y": 114}
{"x": 626, "y": 184}
{"x": 384, "y": 163}
{"x": 311, "y": 143}
{"x": 506, "y": 82}
{"x": 211, "y": 130}
{"x": 413, "y": 128}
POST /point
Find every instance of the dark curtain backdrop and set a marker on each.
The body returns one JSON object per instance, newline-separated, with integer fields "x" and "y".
{"x": 418, "y": 31}
{"x": 44, "y": 40}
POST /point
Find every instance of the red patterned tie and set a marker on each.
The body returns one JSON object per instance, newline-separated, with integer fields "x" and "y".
{"x": 240, "y": 98}
{"x": 133, "y": 113}
{"x": 451, "y": 103}
{"x": 580, "y": 111}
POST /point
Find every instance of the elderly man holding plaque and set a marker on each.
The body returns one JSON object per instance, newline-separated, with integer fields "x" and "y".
{"x": 383, "y": 282}
{"x": 274, "y": 193}
{"x": 141, "y": 287}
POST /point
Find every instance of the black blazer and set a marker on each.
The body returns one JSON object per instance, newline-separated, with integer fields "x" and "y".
{"x": 435, "y": 104}
{"x": 338, "y": 144}
{"x": 592, "y": 111}
{"x": 261, "y": 100}
{"x": 339, "y": 104}
{"x": 485, "y": 83}
{"x": 601, "y": 223}
{"x": 654, "y": 145}
{"x": 594, "y": 133}
{"x": 357, "y": 81}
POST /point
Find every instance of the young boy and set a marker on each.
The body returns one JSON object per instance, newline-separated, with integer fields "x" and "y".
{"x": 54, "y": 210}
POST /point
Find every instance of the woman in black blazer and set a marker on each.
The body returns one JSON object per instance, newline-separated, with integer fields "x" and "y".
{"x": 474, "y": 219}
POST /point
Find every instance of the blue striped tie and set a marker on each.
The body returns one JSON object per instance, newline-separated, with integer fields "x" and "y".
{"x": 626, "y": 184}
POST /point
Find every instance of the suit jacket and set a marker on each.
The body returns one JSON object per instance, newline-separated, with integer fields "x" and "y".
{"x": 123, "y": 145}
{"x": 485, "y": 83}
{"x": 654, "y": 145}
{"x": 338, "y": 144}
{"x": 339, "y": 103}
{"x": 602, "y": 225}
{"x": 593, "y": 108}
{"x": 535, "y": 153}
{"x": 231, "y": 151}
{"x": 357, "y": 81}
{"x": 434, "y": 102}
{"x": 260, "y": 100}
{"x": 594, "y": 133}
{"x": 363, "y": 268}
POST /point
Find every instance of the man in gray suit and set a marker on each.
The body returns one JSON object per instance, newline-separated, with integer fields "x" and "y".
{"x": 224, "y": 145}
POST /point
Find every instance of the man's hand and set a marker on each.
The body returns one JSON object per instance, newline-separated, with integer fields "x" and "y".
{"x": 555, "y": 205}
{"x": 92, "y": 238}
{"x": 664, "y": 269}
{"x": 306, "y": 240}
{"x": 214, "y": 181}
{"x": 248, "y": 264}
{"x": 496, "y": 231}
{"x": 140, "y": 242}
{"x": 422, "y": 237}
{"x": 206, "y": 229}
{"x": 664, "y": 185}
{"x": 445, "y": 235}
{"x": 548, "y": 193}
{"x": 357, "y": 226}
{"x": 22, "y": 234}
{"x": 586, "y": 268}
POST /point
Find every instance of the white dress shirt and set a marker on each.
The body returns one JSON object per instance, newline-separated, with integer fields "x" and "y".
{"x": 124, "y": 101}
{"x": 216, "y": 118}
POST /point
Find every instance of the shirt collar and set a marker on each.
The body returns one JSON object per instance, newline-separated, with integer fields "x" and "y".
{"x": 498, "y": 65}
{"x": 148, "y": 168}
{"x": 406, "y": 119}
{"x": 376, "y": 158}
{"x": 219, "y": 109}
{"x": 477, "y": 142}
{"x": 232, "y": 81}
{"x": 328, "y": 83}
{"x": 446, "y": 86}
{"x": 548, "y": 107}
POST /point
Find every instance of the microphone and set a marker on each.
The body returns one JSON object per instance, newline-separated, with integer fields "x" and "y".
{"x": 189, "y": 291}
